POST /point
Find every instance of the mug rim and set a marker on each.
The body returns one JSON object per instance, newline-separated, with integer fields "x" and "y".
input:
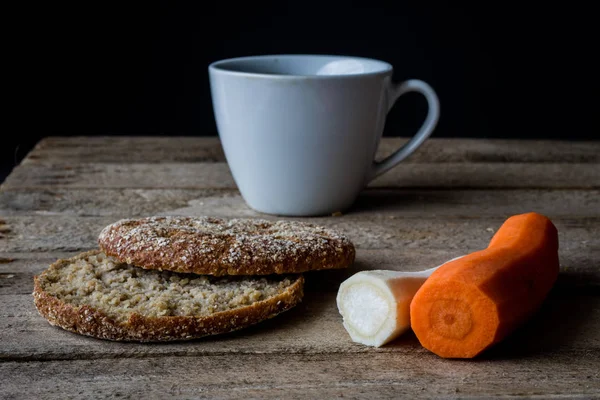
{"x": 218, "y": 66}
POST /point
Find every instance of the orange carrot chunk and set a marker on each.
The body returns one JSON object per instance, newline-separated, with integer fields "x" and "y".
{"x": 470, "y": 304}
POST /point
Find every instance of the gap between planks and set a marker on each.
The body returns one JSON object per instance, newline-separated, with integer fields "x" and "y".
{"x": 72, "y": 233}
{"x": 453, "y": 176}
{"x": 157, "y": 149}
{"x": 312, "y": 327}
{"x": 296, "y": 376}
{"x": 229, "y": 203}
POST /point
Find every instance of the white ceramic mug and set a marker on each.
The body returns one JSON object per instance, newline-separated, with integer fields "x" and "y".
{"x": 300, "y": 132}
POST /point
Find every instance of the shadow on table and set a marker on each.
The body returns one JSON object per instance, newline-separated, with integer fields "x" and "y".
{"x": 309, "y": 311}
{"x": 388, "y": 200}
{"x": 565, "y": 320}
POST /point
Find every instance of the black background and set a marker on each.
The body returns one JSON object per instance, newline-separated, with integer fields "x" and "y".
{"x": 501, "y": 71}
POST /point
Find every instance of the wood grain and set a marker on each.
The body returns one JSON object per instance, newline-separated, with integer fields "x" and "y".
{"x": 447, "y": 199}
{"x": 71, "y": 233}
{"x": 302, "y": 376}
{"x": 312, "y": 327}
{"x": 127, "y": 149}
{"x": 217, "y": 176}
{"x": 167, "y": 148}
{"x": 229, "y": 203}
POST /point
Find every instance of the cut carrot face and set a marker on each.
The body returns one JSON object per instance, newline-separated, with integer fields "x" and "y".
{"x": 470, "y": 304}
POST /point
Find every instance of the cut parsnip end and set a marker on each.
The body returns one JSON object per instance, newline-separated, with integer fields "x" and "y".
{"x": 366, "y": 308}
{"x": 375, "y": 305}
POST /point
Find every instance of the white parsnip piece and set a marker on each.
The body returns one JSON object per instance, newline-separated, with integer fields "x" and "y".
{"x": 375, "y": 305}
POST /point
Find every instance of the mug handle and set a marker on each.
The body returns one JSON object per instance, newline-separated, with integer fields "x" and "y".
{"x": 433, "y": 115}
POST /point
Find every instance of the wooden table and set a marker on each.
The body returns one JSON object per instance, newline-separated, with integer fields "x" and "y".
{"x": 445, "y": 201}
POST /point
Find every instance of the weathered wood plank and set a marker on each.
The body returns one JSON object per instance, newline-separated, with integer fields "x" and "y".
{"x": 72, "y": 233}
{"x": 300, "y": 376}
{"x": 133, "y": 202}
{"x": 218, "y": 176}
{"x": 487, "y": 175}
{"x": 229, "y": 203}
{"x": 312, "y": 327}
{"x": 159, "y": 149}
{"x": 458, "y": 150}
{"x": 127, "y": 149}
{"x": 196, "y": 175}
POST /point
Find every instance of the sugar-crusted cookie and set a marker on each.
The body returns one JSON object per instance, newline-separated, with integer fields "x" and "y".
{"x": 217, "y": 246}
